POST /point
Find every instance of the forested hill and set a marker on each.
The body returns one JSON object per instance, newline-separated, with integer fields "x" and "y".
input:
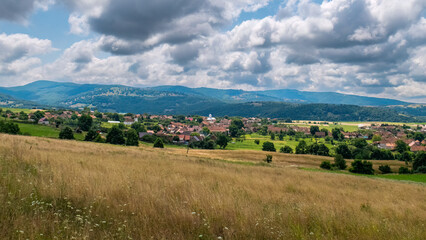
{"x": 281, "y": 95}
{"x": 182, "y": 100}
{"x": 329, "y": 112}
{"x": 8, "y": 101}
{"x": 48, "y": 92}
{"x": 148, "y": 101}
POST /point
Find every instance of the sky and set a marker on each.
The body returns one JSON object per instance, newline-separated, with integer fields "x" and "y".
{"x": 365, "y": 47}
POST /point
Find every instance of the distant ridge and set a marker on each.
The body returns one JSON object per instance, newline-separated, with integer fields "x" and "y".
{"x": 284, "y": 95}
{"x": 183, "y": 100}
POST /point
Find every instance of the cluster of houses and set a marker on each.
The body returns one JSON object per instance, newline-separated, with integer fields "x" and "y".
{"x": 390, "y": 134}
{"x": 47, "y": 116}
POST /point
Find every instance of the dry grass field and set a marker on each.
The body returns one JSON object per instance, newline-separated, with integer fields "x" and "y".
{"x": 52, "y": 189}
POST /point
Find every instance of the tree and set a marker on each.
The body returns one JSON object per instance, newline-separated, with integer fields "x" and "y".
{"x": 405, "y": 157}
{"x": 222, "y": 140}
{"x": 37, "y": 115}
{"x": 286, "y": 149}
{"x": 344, "y": 150}
{"x": 337, "y": 134}
{"x": 91, "y": 135}
{"x": 272, "y": 136}
{"x": 66, "y": 133}
{"x": 205, "y": 130}
{"x": 419, "y": 163}
{"x": 9, "y": 127}
{"x": 401, "y": 146}
{"x": 115, "y": 136}
{"x": 340, "y": 162}
{"x": 312, "y": 149}
{"x": 376, "y": 138}
{"x": 85, "y": 122}
{"x": 234, "y": 131}
{"x": 158, "y": 143}
{"x": 23, "y": 116}
{"x": 301, "y": 148}
{"x": 326, "y": 165}
{"x": 139, "y": 127}
{"x": 257, "y": 141}
{"x": 323, "y": 150}
{"x": 419, "y": 136}
{"x": 268, "y": 146}
{"x": 238, "y": 123}
{"x": 268, "y": 158}
{"x": 360, "y": 143}
{"x": 132, "y": 138}
{"x": 385, "y": 169}
{"x": 324, "y": 130}
{"x": 314, "y": 129}
{"x": 362, "y": 167}
{"x": 404, "y": 170}
{"x": 381, "y": 154}
{"x": 281, "y": 136}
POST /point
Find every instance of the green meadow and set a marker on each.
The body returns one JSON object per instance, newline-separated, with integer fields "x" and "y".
{"x": 249, "y": 142}
{"x": 18, "y": 110}
{"x": 43, "y": 131}
{"x": 420, "y": 178}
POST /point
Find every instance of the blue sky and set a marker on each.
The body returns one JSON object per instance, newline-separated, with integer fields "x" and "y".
{"x": 365, "y": 47}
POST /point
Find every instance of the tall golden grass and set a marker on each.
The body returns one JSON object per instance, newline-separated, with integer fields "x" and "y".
{"x": 52, "y": 189}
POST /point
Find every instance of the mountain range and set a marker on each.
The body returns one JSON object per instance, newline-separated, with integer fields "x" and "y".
{"x": 183, "y": 100}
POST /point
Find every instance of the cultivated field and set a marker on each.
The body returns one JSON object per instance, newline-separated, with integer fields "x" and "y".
{"x": 52, "y": 189}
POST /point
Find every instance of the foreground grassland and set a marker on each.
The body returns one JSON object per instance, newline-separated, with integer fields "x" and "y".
{"x": 68, "y": 189}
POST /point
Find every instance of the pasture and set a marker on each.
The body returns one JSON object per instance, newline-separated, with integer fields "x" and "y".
{"x": 53, "y": 189}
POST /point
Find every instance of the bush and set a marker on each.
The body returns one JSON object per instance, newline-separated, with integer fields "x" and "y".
{"x": 85, "y": 122}
{"x": 344, "y": 150}
{"x": 301, "y": 148}
{"x": 323, "y": 150}
{"x": 405, "y": 156}
{"x": 257, "y": 141}
{"x": 340, "y": 162}
{"x": 419, "y": 162}
{"x": 421, "y": 169}
{"x": 66, "y": 133}
{"x": 99, "y": 139}
{"x": 326, "y": 165}
{"x": 362, "y": 167}
{"x": 286, "y": 149}
{"x": 91, "y": 135}
{"x": 268, "y": 158}
{"x": 132, "y": 138}
{"x": 385, "y": 169}
{"x": 149, "y": 138}
{"x": 222, "y": 140}
{"x": 269, "y": 147}
{"x": 9, "y": 127}
{"x": 115, "y": 136}
{"x": 158, "y": 143}
{"x": 404, "y": 170}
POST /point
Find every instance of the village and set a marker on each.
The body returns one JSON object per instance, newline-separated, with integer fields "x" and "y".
{"x": 183, "y": 130}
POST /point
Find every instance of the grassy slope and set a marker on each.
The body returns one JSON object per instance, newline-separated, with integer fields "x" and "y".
{"x": 405, "y": 177}
{"x": 249, "y": 143}
{"x": 18, "y": 110}
{"x": 44, "y": 131}
{"x": 420, "y": 178}
{"x": 51, "y": 188}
